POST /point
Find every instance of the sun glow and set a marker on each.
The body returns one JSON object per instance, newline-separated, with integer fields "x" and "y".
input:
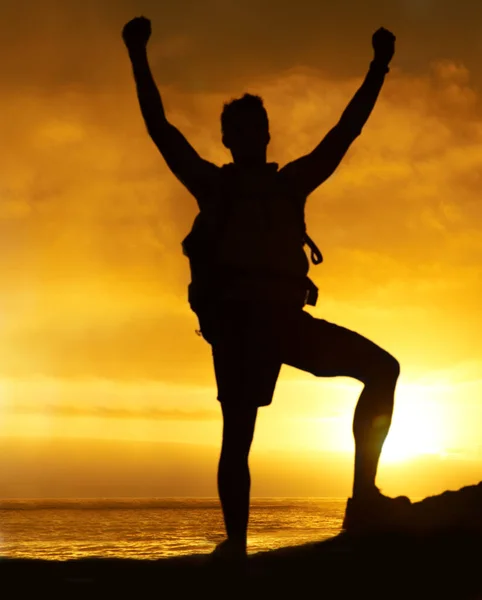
{"x": 418, "y": 425}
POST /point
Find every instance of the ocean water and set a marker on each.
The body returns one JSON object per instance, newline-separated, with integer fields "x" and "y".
{"x": 155, "y": 528}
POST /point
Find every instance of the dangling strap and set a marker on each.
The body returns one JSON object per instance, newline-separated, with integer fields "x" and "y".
{"x": 316, "y": 256}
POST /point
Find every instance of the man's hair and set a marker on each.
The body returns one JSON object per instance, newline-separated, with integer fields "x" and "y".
{"x": 236, "y": 111}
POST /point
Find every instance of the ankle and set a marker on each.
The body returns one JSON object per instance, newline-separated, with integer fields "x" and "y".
{"x": 365, "y": 492}
{"x": 238, "y": 543}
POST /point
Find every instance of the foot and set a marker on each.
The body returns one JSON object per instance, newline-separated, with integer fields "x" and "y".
{"x": 229, "y": 551}
{"x": 376, "y": 513}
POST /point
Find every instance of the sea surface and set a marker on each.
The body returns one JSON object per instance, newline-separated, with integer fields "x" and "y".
{"x": 155, "y": 528}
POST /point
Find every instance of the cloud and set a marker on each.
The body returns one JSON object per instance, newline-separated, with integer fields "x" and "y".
{"x": 92, "y": 278}
{"x": 63, "y": 409}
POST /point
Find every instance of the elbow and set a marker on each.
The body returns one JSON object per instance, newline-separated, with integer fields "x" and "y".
{"x": 353, "y": 131}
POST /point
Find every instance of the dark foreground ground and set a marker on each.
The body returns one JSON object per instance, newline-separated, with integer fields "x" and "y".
{"x": 437, "y": 554}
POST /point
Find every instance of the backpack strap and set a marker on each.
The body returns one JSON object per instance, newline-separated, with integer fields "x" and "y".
{"x": 316, "y": 256}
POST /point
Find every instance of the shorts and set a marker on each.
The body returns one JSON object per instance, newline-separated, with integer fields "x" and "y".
{"x": 250, "y": 343}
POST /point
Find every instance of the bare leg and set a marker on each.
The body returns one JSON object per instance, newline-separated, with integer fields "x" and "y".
{"x": 371, "y": 423}
{"x": 328, "y": 350}
{"x": 234, "y": 480}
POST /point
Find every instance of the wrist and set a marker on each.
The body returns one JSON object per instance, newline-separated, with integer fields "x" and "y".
{"x": 137, "y": 50}
{"x": 379, "y": 65}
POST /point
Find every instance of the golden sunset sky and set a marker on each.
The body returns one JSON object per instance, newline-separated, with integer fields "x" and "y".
{"x": 105, "y": 390}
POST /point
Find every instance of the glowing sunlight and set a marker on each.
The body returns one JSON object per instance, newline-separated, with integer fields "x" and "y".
{"x": 418, "y": 425}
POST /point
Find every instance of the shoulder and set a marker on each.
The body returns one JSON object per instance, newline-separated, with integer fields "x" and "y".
{"x": 291, "y": 182}
{"x": 203, "y": 182}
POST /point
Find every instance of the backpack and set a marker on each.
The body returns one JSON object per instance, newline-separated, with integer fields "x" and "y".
{"x": 201, "y": 244}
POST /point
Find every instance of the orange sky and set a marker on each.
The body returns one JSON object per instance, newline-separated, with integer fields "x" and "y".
{"x": 98, "y": 356}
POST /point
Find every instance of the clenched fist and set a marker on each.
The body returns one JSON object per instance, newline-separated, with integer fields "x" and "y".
{"x": 136, "y": 33}
{"x": 384, "y": 45}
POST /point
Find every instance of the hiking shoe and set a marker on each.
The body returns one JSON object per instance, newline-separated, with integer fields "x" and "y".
{"x": 376, "y": 514}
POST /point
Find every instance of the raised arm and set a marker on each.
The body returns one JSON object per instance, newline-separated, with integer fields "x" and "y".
{"x": 183, "y": 160}
{"x": 310, "y": 171}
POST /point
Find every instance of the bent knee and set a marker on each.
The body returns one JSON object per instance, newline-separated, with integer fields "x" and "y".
{"x": 382, "y": 368}
{"x": 394, "y": 367}
{"x": 389, "y": 367}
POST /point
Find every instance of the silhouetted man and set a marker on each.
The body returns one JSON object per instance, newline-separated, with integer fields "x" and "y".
{"x": 249, "y": 282}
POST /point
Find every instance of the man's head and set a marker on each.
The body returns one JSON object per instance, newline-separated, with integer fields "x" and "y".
{"x": 245, "y": 128}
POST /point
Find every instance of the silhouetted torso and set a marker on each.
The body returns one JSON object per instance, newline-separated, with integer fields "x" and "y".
{"x": 264, "y": 229}
{"x": 249, "y": 236}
